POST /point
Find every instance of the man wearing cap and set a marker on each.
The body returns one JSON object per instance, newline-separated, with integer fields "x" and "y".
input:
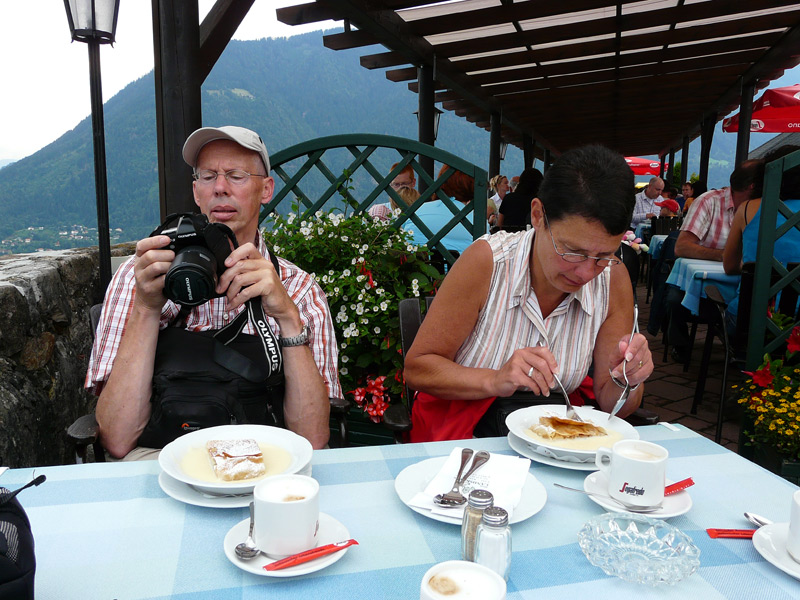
{"x": 232, "y": 182}
{"x": 645, "y": 207}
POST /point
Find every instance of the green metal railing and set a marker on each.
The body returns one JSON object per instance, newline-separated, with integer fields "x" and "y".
{"x": 293, "y": 166}
{"x": 761, "y": 327}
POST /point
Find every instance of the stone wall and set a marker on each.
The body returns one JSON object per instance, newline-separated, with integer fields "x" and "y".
{"x": 45, "y": 341}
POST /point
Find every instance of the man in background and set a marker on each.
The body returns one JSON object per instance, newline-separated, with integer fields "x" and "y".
{"x": 645, "y": 207}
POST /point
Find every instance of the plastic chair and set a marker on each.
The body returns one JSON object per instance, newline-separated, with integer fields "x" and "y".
{"x": 736, "y": 348}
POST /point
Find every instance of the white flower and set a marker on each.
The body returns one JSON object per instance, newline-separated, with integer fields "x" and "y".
{"x": 352, "y": 307}
{"x": 331, "y": 273}
{"x": 345, "y": 238}
{"x": 343, "y": 370}
{"x": 344, "y": 299}
{"x": 363, "y": 249}
{"x": 360, "y": 296}
{"x": 336, "y": 291}
{"x": 377, "y": 330}
{"x": 291, "y": 218}
{"x": 345, "y": 358}
{"x": 305, "y": 231}
{"x": 360, "y": 309}
{"x": 364, "y": 321}
{"x": 354, "y": 261}
{"x": 320, "y": 231}
{"x": 380, "y": 291}
{"x": 384, "y": 305}
{"x": 374, "y": 309}
{"x": 343, "y": 345}
{"x": 346, "y": 273}
{"x": 360, "y": 278}
{"x": 416, "y": 292}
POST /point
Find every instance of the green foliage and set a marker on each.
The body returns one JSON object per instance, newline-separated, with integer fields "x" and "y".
{"x": 365, "y": 266}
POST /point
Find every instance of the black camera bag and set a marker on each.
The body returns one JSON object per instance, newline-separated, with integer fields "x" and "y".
{"x": 17, "y": 558}
{"x": 208, "y": 378}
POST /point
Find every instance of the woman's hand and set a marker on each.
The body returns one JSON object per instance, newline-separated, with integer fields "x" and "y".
{"x": 640, "y": 360}
{"x": 530, "y": 368}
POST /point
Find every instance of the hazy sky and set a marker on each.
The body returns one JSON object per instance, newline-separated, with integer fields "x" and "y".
{"x": 45, "y": 88}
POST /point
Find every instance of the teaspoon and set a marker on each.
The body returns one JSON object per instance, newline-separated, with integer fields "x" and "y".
{"x": 628, "y": 507}
{"x": 247, "y": 550}
{"x": 757, "y": 520}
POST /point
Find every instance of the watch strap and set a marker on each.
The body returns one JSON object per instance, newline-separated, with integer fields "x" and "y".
{"x": 297, "y": 340}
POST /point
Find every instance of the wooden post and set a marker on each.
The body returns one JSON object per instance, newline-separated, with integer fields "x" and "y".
{"x": 425, "y": 131}
{"x": 494, "y": 145}
{"x": 745, "y": 116}
{"x": 706, "y": 137}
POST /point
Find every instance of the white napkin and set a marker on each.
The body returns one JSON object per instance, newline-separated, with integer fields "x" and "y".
{"x": 504, "y": 476}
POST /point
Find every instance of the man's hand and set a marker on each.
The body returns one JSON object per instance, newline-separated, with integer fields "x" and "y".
{"x": 650, "y": 215}
{"x": 249, "y": 275}
{"x": 150, "y": 268}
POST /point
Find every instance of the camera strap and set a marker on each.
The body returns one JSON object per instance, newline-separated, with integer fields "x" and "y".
{"x": 269, "y": 341}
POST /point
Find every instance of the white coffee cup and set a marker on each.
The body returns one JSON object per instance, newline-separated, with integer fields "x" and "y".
{"x": 461, "y": 580}
{"x": 793, "y": 539}
{"x": 286, "y": 514}
{"x": 635, "y": 471}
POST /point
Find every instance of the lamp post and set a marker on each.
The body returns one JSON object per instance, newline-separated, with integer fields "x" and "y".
{"x": 95, "y": 22}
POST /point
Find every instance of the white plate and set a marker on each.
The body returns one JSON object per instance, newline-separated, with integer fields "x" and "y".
{"x": 520, "y": 420}
{"x": 415, "y": 478}
{"x": 520, "y": 447}
{"x": 171, "y": 456}
{"x": 770, "y": 542}
{"x": 330, "y": 532}
{"x": 185, "y": 493}
{"x": 674, "y": 505}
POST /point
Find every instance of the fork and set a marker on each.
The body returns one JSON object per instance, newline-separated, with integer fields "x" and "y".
{"x": 626, "y": 391}
{"x": 571, "y": 412}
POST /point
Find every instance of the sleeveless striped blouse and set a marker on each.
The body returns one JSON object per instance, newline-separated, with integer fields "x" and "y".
{"x": 512, "y": 319}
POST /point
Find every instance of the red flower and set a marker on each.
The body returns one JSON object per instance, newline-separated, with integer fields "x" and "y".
{"x": 359, "y": 395}
{"x": 793, "y": 344}
{"x": 376, "y": 409}
{"x": 763, "y": 377}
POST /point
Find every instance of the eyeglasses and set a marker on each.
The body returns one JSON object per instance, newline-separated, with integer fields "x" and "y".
{"x": 396, "y": 185}
{"x": 573, "y": 257}
{"x": 234, "y": 177}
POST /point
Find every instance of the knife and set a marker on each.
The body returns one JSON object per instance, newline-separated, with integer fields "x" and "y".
{"x": 308, "y": 555}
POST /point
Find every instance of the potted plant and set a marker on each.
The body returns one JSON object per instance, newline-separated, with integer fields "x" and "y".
{"x": 365, "y": 267}
{"x": 770, "y": 399}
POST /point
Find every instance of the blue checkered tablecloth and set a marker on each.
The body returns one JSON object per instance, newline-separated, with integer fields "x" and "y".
{"x": 692, "y": 275}
{"x": 107, "y": 531}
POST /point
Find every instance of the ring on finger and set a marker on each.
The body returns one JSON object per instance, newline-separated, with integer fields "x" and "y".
{"x": 641, "y": 363}
{"x": 530, "y": 372}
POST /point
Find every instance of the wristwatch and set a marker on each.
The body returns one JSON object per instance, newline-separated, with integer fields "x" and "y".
{"x": 297, "y": 340}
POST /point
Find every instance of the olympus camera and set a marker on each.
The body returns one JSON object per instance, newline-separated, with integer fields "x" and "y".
{"x": 200, "y": 251}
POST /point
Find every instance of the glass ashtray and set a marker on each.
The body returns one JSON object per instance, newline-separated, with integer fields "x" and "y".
{"x": 639, "y": 549}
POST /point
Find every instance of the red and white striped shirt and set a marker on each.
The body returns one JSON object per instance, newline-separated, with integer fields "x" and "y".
{"x": 710, "y": 218}
{"x": 301, "y": 287}
{"x": 512, "y": 319}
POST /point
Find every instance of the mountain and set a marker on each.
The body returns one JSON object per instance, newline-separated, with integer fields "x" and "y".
{"x": 6, "y": 161}
{"x": 289, "y": 90}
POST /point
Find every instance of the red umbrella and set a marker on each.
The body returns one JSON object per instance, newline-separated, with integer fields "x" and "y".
{"x": 644, "y": 166}
{"x": 777, "y": 111}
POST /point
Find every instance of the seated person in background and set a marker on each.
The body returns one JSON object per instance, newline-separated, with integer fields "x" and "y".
{"x": 669, "y": 208}
{"x": 697, "y": 189}
{"x": 232, "y": 182}
{"x": 516, "y": 210}
{"x": 518, "y": 307}
{"x": 703, "y": 234}
{"x": 645, "y": 201}
{"x": 742, "y": 242}
{"x": 499, "y": 185}
{"x": 435, "y": 214}
{"x": 404, "y": 184}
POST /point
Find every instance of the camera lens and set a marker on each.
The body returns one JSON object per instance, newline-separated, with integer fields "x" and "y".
{"x": 192, "y": 277}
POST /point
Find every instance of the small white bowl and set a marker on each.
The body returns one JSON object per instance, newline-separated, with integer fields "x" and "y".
{"x": 173, "y": 453}
{"x": 639, "y": 549}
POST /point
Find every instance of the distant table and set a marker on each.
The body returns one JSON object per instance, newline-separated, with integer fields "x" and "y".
{"x": 655, "y": 245}
{"x": 642, "y": 228}
{"x": 692, "y": 275}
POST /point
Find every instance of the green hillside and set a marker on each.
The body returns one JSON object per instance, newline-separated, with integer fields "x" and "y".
{"x": 289, "y": 90}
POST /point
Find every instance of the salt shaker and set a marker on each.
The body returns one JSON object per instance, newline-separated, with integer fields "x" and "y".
{"x": 493, "y": 541}
{"x": 477, "y": 502}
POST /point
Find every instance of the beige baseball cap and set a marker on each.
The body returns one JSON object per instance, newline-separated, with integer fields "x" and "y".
{"x": 246, "y": 138}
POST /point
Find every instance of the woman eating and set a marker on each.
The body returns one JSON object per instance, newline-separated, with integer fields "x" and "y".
{"x": 517, "y": 308}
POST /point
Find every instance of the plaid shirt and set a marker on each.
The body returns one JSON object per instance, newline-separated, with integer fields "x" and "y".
{"x": 710, "y": 218}
{"x": 643, "y": 207}
{"x": 301, "y": 287}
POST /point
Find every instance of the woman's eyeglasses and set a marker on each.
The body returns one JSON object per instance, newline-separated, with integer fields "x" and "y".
{"x": 574, "y": 257}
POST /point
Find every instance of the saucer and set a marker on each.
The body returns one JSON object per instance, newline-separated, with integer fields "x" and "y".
{"x": 521, "y": 447}
{"x": 183, "y": 492}
{"x": 674, "y": 505}
{"x": 770, "y": 542}
{"x": 415, "y": 478}
{"x": 330, "y": 532}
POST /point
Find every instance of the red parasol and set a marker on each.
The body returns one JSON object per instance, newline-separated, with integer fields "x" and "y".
{"x": 776, "y": 111}
{"x": 645, "y": 166}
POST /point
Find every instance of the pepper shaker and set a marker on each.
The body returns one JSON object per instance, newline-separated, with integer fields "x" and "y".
{"x": 477, "y": 502}
{"x": 493, "y": 541}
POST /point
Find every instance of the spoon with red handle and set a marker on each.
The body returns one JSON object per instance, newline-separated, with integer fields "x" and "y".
{"x": 314, "y": 553}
